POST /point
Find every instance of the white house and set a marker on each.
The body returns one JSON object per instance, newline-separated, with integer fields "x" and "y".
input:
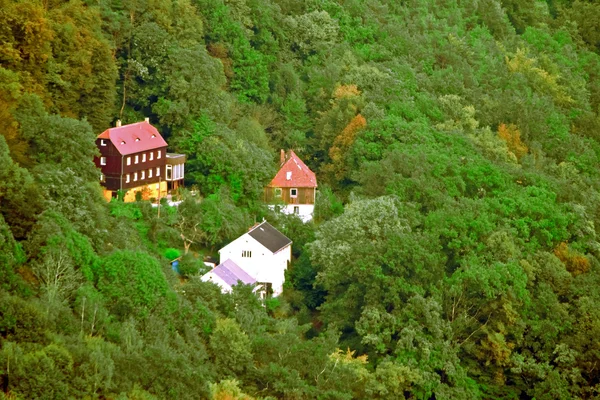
{"x": 263, "y": 253}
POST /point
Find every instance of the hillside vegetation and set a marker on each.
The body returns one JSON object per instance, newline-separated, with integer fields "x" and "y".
{"x": 453, "y": 254}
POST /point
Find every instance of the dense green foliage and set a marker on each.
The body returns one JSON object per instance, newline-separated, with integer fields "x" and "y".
{"x": 453, "y": 253}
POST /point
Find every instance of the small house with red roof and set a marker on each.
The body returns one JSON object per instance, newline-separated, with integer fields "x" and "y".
{"x": 293, "y": 188}
{"x": 133, "y": 158}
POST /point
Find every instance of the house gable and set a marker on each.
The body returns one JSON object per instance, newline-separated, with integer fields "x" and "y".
{"x": 293, "y": 174}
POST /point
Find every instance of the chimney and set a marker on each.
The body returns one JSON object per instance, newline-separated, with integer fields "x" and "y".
{"x": 281, "y": 156}
{"x": 118, "y": 123}
{"x": 147, "y": 119}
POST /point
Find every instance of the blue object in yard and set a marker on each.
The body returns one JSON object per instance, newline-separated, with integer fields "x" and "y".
{"x": 175, "y": 265}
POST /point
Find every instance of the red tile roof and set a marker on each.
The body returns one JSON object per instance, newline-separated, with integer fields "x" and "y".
{"x": 299, "y": 174}
{"x": 133, "y": 138}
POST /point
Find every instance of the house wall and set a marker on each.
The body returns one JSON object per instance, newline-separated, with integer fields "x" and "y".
{"x": 263, "y": 265}
{"x": 116, "y": 167}
{"x": 214, "y": 278}
{"x": 306, "y": 195}
{"x": 153, "y": 189}
{"x": 305, "y": 211}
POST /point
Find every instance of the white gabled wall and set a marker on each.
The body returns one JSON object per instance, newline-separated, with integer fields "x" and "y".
{"x": 263, "y": 265}
{"x": 214, "y": 278}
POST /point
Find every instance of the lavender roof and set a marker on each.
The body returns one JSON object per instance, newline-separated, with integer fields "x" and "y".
{"x": 231, "y": 273}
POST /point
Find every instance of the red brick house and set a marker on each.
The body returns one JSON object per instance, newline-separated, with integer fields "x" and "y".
{"x": 294, "y": 187}
{"x": 133, "y": 158}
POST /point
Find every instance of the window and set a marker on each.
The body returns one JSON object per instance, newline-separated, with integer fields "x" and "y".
{"x": 127, "y": 178}
{"x": 137, "y": 159}
{"x": 102, "y": 178}
{"x": 169, "y": 172}
{"x": 128, "y": 160}
{"x": 150, "y": 173}
{"x": 288, "y": 176}
{"x": 144, "y": 157}
{"x": 277, "y": 192}
{"x": 135, "y": 176}
{"x": 158, "y": 154}
{"x": 296, "y": 210}
{"x": 294, "y": 192}
{"x": 151, "y": 155}
{"x": 102, "y": 160}
{"x": 157, "y": 171}
{"x": 102, "y": 142}
{"x": 246, "y": 253}
{"x": 137, "y": 139}
{"x": 143, "y": 175}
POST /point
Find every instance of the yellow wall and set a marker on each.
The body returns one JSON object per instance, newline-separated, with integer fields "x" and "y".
{"x": 152, "y": 193}
{"x": 107, "y": 194}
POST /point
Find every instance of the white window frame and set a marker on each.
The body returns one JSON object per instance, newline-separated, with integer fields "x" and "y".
{"x": 278, "y": 192}
{"x": 150, "y": 173}
{"x": 102, "y": 179}
{"x": 102, "y": 142}
{"x": 135, "y": 176}
{"x": 102, "y": 160}
{"x": 144, "y": 157}
{"x": 143, "y": 175}
{"x": 137, "y": 159}
{"x": 127, "y": 178}
{"x": 158, "y": 154}
{"x": 128, "y": 160}
{"x": 292, "y": 195}
{"x": 157, "y": 171}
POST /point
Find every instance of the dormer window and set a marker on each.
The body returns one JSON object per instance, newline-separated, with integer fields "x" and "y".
{"x": 122, "y": 142}
{"x": 153, "y": 136}
{"x": 137, "y": 139}
{"x": 288, "y": 175}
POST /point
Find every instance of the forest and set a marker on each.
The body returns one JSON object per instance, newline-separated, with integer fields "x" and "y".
{"x": 453, "y": 251}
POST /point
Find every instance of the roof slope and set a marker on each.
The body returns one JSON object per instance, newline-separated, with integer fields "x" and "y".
{"x": 231, "y": 273}
{"x": 269, "y": 237}
{"x": 133, "y": 138}
{"x": 298, "y": 173}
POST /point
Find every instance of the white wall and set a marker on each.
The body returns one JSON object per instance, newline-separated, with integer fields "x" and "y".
{"x": 305, "y": 210}
{"x": 214, "y": 278}
{"x": 264, "y": 266}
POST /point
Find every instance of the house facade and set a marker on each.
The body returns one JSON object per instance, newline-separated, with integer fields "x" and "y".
{"x": 263, "y": 253}
{"x": 293, "y": 189}
{"x": 133, "y": 158}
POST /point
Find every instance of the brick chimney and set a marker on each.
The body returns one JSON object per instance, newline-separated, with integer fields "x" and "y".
{"x": 281, "y": 156}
